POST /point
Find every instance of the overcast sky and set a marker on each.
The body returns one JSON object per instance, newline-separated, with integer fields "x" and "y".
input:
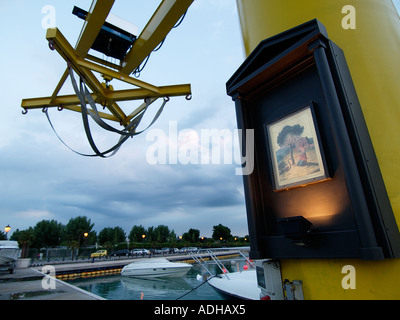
{"x": 41, "y": 179}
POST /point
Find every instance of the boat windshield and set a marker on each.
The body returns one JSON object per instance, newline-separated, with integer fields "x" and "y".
{"x": 6, "y": 243}
{"x": 153, "y": 260}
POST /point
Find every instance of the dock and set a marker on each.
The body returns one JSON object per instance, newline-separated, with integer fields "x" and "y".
{"x": 32, "y": 284}
{"x": 27, "y": 284}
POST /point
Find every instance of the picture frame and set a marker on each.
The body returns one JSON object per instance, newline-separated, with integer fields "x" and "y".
{"x": 296, "y": 154}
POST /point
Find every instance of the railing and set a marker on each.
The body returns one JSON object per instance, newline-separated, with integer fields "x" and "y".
{"x": 198, "y": 257}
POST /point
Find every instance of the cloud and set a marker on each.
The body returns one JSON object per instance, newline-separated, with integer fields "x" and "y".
{"x": 41, "y": 179}
{"x": 35, "y": 214}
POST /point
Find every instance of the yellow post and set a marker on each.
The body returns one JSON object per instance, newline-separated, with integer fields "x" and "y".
{"x": 368, "y": 32}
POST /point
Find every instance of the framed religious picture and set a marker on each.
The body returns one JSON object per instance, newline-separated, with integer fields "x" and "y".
{"x": 295, "y": 150}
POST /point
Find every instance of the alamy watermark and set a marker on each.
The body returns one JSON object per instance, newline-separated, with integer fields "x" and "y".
{"x": 349, "y": 20}
{"x": 49, "y": 280}
{"x": 49, "y": 20}
{"x": 209, "y": 146}
{"x": 349, "y": 280}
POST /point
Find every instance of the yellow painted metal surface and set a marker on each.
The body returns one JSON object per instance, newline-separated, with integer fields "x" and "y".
{"x": 372, "y": 51}
{"x": 322, "y": 279}
{"x": 101, "y": 94}
{"x": 164, "y": 19}
{"x": 97, "y": 14}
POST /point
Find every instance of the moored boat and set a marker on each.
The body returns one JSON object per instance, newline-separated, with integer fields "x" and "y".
{"x": 9, "y": 252}
{"x": 238, "y": 285}
{"x": 153, "y": 268}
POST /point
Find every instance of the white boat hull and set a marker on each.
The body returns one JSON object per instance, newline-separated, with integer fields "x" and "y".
{"x": 155, "y": 269}
{"x": 9, "y": 252}
{"x": 239, "y": 285}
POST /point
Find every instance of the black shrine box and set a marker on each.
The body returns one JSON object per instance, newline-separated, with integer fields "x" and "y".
{"x": 316, "y": 190}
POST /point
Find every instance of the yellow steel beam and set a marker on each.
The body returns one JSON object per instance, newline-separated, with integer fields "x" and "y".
{"x": 39, "y": 103}
{"x": 60, "y": 84}
{"x": 81, "y": 67}
{"x": 158, "y": 27}
{"x": 136, "y": 94}
{"x": 101, "y": 114}
{"x": 103, "y": 62}
{"x": 69, "y": 54}
{"x": 95, "y": 19}
{"x": 140, "y": 109}
{"x": 116, "y": 75}
{"x": 121, "y": 95}
{"x": 164, "y": 19}
{"x": 69, "y": 102}
{"x": 97, "y": 14}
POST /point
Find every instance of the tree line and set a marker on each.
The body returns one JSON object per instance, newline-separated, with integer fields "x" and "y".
{"x": 78, "y": 232}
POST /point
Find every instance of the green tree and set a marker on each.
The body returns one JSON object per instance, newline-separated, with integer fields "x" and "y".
{"x": 161, "y": 234}
{"x": 172, "y": 237}
{"x": 111, "y": 235}
{"x": 91, "y": 239}
{"x": 150, "y": 235}
{"x": 136, "y": 234}
{"x": 74, "y": 230}
{"x": 3, "y": 235}
{"x": 191, "y": 236}
{"x": 221, "y": 231}
{"x": 47, "y": 234}
{"x": 25, "y": 239}
{"x": 288, "y": 136}
{"x": 105, "y": 235}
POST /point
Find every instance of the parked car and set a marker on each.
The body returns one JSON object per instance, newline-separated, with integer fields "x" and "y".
{"x": 121, "y": 253}
{"x": 99, "y": 254}
{"x": 140, "y": 252}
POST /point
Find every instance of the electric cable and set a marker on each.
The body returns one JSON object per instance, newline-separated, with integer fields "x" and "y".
{"x": 128, "y": 132}
{"x": 139, "y": 69}
{"x": 195, "y": 288}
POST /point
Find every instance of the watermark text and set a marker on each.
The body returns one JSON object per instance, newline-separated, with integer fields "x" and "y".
{"x": 49, "y": 281}
{"x": 209, "y": 146}
{"x": 49, "y": 20}
{"x": 349, "y": 280}
{"x": 349, "y": 20}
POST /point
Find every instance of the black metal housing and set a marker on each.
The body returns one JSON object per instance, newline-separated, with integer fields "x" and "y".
{"x": 111, "y": 40}
{"x": 350, "y": 212}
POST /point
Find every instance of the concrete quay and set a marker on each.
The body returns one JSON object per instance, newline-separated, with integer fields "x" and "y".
{"x": 27, "y": 284}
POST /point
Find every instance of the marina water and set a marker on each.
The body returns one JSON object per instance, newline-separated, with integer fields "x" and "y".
{"x": 116, "y": 287}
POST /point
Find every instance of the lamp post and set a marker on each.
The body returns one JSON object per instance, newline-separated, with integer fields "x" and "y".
{"x": 85, "y": 235}
{"x": 7, "y": 229}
